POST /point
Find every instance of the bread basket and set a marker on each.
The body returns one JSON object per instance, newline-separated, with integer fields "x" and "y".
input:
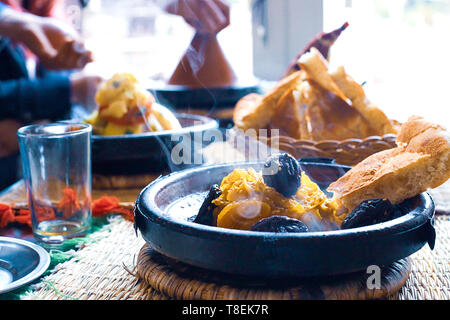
{"x": 347, "y": 152}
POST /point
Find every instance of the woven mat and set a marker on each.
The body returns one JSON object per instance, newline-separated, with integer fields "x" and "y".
{"x": 441, "y": 198}
{"x": 181, "y": 281}
{"x": 105, "y": 269}
{"x": 102, "y": 270}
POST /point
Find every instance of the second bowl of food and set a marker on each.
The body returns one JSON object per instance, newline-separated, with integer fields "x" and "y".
{"x": 133, "y": 133}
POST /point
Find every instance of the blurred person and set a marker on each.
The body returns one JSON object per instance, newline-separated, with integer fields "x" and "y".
{"x": 207, "y": 17}
{"x": 44, "y": 89}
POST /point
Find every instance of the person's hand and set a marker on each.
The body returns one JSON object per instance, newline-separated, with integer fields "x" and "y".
{"x": 55, "y": 44}
{"x": 205, "y": 16}
{"x": 83, "y": 90}
{"x": 70, "y": 50}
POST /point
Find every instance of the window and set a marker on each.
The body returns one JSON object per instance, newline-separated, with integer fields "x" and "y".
{"x": 401, "y": 49}
{"x": 137, "y": 36}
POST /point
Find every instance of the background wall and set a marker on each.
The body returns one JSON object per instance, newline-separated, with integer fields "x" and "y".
{"x": 281, "y": 29}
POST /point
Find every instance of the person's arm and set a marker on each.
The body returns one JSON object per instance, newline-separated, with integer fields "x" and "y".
{"x": 46, "y": 98}
{"x": 28, "y": 100}
{"x": 55, "y": 44}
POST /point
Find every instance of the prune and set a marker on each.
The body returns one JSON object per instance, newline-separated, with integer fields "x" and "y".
{"x": 282, "y": 172}
{"x": 205, "y": 213}
{"x": 279, "y": 224}
{"x": 370, "y": 212}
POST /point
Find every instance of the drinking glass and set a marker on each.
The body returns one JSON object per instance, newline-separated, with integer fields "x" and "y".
{"x": 56, "y": 161}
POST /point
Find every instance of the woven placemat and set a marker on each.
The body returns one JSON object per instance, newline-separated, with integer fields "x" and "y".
{"x": 105, "y": 269}
{"x": 441, "y": 198}
{"x": 180, "y": 281}
{"x": 101, "y": 270}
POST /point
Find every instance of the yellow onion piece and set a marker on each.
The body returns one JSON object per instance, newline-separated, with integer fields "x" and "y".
{"x": 242, "y": 214}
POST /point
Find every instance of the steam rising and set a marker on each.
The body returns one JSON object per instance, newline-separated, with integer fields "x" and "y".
{"x": 195, "y": 59}
{"x": 239, "y": 146}
{"x": 163, "y": 146}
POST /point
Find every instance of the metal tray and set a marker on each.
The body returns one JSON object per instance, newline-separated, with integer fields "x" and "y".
{"x": 20, "y": 263}
{"x": 274, "y": 255}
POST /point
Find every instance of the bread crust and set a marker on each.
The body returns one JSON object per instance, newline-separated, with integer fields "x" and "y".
{"x": 287, "y": 117}
{"x": 355, "y": 92}
{"x": 421, "y": 161}
{"x": 316, "y": 67}
{"x": 244, "y": 107}
{"x": 331, "y": 118}
{"x": 258, "y": 115}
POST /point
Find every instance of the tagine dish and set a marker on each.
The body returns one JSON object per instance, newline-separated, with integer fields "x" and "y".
{"x": 282, "y": 198}
{"x": 125, "y": 107}
{"x": 288, "y": 217}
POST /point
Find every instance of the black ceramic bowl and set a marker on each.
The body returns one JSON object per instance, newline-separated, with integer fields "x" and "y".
{"x": 184, "y": 98}
{"x": 146, "y": 152}
{"x": 266, "y": 254}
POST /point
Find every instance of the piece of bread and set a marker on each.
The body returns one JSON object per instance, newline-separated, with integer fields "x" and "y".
{"x": 254, "y": 113}
{"x": 421, "y": 161}
{"x": 331, "y": 118}
{"x": 310, "y": 105}
{"x": 302, "y": 98}
{"x": 244, "y": 107}
{"x": 316, "y": 68}
{"x": 287, "y": 117}
{"x": 355, "y": 92}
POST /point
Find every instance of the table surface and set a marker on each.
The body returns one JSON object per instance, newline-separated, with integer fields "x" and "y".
{"x": 16, "y": 194}
{"x": 428, "y": 278}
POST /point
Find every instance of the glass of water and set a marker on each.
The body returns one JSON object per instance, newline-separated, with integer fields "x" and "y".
{"x": 56, "y": 161}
